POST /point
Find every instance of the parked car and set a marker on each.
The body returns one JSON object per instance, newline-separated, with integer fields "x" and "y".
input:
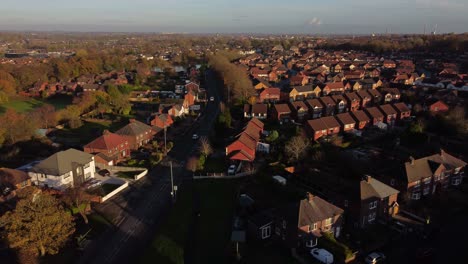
{"x": 104, "y": 172}
{"x": 375, "y": 257}
{"x": 212, "y": 99}
{"x": 195, "y": 136}
{"x": 322, "y": 255}
{"x": 232, "y": 169}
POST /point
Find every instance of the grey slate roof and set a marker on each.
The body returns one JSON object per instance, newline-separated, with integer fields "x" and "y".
{"x": 134, "y": 128}
{"x": 374, "y": 188}
{"x": 316, "y": 209}
{"x": 61, "y": 162}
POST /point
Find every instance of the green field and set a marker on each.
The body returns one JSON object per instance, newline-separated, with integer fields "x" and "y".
{"x": 87, "y": 132}
{"x": 23, "y": 104}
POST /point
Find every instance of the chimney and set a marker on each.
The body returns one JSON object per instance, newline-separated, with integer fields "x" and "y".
{"x": 106, "y": 132}
{"x": 368, "y": 178}
{"x": 310, "y": 196}
{"x": 411, "y": 160}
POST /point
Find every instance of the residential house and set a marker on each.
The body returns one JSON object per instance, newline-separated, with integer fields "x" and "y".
{"x": 376, "y": 96}
{"x": 317, "y": 128}
{"x": 333, "y": 88}
{"x": 245, "y": 145}
{"x": 281, "y": 112}
{"x": 109, "y": 148}
{"x": 192, "y": 86}
{"x": 298, "y": 80}
{"x": 300, "y": 110}
{"x": 391, "y": 95}
{"x": 162, "y": 121}
{"x": 137, "y": 134}
{"x": 366, "y": 98}
{"x": 300, "y": 93}
{"x": 341, "y": 103}
{"x": 403, "y": 111}
{"x": 375, "y": 115}
{"x": 329, "y": 105}
{"x": 302, "y": 224}
{"x": 333, "y": 127}
{"x": 270, "y": 95}
{"x": 315, "y": 108}
{"x": 10, "y": 181}
{"x": 347, "y": 122}
{"x": 257, "y": 110}
{"x": 189, "y": 99}
{"x": 432, "y": 174}
{"x": 438, "y": 107}
{"x": 390, "y": 114}
{"x": 260, "y": 84}
{"x": 176, "y": 110}
{"x": 389, "y": 64}
{"x": 354, "y": 101}
{"x": 64, "y": 169}
{"x": 362, "y": 119}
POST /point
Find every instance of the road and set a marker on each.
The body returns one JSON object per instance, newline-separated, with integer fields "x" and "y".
{"x": 139, "y": 209}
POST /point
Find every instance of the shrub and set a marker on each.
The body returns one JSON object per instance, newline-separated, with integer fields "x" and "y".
{"x": 273, "y": 136}
{"x": 338, "y": 249}
{"x": 132, "y": 162}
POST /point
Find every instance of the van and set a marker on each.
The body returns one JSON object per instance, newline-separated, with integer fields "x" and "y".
{"x": 322, "y": 255}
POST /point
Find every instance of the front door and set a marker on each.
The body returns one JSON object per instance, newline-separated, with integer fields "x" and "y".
{"x": 337, "y": 231}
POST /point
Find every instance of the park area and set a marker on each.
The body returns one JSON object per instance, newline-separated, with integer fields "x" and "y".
{"x": 26, "y": 104}
{"x": 199, "y": 222}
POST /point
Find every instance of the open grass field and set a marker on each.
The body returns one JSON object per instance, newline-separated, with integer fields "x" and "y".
{"x": 24, "y": 104}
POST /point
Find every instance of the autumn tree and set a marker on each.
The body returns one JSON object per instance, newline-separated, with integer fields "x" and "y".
{"x": 296, "y": 148}
{"x": 38, "y": 224}
{"x": 205, "y": 147}
{"x": 192, "y": 164}
{"x": 76, "y": 197}
{"x": 17, "y": 126}
{"x": 46, "y": 116}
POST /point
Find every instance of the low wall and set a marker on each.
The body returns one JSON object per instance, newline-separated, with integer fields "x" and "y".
{"x": 141, "y": 175}
{"x": 224, "y": 176}
{"x": 114, "y": 192}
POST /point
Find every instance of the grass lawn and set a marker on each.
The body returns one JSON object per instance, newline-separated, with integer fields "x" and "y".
{"x": 168, "y": 246}
{"x": 87, "y": 132}
{"x": 215, "y": 164}
{"x": 104, "y": 189}
{"x": 23, "y": 104}
{"x": 128, "y": 174}
{"x": 213, "y": 233}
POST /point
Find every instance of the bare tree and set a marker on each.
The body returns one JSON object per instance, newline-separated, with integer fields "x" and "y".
{"x": 205, "y": 147}
{"x": 296, "y": 148}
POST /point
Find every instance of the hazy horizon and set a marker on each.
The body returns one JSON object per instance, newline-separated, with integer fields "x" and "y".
{"x": 242, "y": 16}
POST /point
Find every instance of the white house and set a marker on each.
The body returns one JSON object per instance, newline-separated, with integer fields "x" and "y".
{"x": 64, "y": 169}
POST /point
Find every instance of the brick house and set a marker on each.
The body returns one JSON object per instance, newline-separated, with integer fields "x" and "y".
{"x": 333, "y": 88}
{"x": 333, "y": 127}
{"x": 315, "y": 108}
{"x": 354, "y": 101}
{"x": 269, "y": 95}
{"x": 432, "y": 174}
{"x": 281, "y": 112}
{"x": 438, "y": 107}
{"x": 366, "y": 98}
{"x": 347, "y": 122}
{"x": 403, "y": 111}
{"x": 391, "y": 95}
{"x": 301, "y": 93}
{"x": 376, "y": 96}
{"x": 10, "y": 181}
{"x": 329, "y": 105}
{"x": 257, "y": 110}
{"x": 362, "y": 119}
{"x": 341, "y": 103}
{"x": 112, "y": 147}
{"x": 375, "y": 115}
{"x": 136, "y": 133}
{"x": 245, "y": 145}
{"x": 300, "y": 111}
{"x": 162, "y": 121}
{"x": 316, "y": 128}
{"x": 390, "y": 114}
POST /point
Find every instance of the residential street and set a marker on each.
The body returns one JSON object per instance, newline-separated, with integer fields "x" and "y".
{"x": 139, "y": 209}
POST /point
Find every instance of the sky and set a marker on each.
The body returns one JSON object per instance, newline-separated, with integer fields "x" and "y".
{"x": 236, "y": 16}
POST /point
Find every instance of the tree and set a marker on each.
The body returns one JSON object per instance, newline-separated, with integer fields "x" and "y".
{"x": 17, "y": 127}
{"x": 205, "y": 147}
{"x": 296, "y": 147}
{"x": 192, "y": 164}
{"x": 46, "y": 116}
{"x": 38, "y": 224}
{"x": 76, "y": 197}
{"x": 201, "y": 162}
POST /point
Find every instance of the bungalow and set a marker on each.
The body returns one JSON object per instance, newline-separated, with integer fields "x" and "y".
{"x": 281, "y": 112}
{"x": 109, "y": 148}
{"x": 366, "y": 98}
{"x": 353, "y": 100}
{"x": 333, "y": 88}
{"x": 299, "y": 110}
{"x": 403, "y": 110}
{"x": 375, "y": 115}
{"x": 329, "y": 105}
{"x": 257, "y": 110}
{"x": 136, "y": 133}
{"x": 315, "y": 108}
{"x": 301, "y": 93}
{"x": 162, "y": 121}
{"x": 432, "y": 174}
{"x": 302, "y": 224}
{"x": 390, "y": 114}
{"x": 376, "y": 96}
{"x": 361, "y": 118}
{"x": 64, "y": 169}
{"x": 341, "y": 103}
{"x": 346, "y": 121}
{"x": 270, "y": 95}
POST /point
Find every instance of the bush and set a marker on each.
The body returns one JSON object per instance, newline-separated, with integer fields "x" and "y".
{"x": 273, "y": 136}
{"x": 201, "y": 162}
{"x": 132, "y": 162}
{"x": 337, "y": 248}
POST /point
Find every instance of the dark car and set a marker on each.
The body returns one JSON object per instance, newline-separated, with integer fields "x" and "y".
{"x": 104, "y": 172}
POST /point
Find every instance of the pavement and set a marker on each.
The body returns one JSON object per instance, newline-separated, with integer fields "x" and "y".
{"x": 137, "y": 212}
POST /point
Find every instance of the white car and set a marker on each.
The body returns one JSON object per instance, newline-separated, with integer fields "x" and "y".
{"x": 195, "y": 136}
{"x": 322, "y": 255}
{"x": 212, "y": 99}
{"x": 232, "y": 169}
{"x": 375, "y": 257}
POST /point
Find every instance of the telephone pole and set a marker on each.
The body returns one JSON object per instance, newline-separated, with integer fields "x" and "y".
{"x": 172, "y": 183}
{"x": 165, "y": 149}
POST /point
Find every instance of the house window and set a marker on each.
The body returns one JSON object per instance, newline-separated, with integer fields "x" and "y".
{"x": 372, "y": 217}
{"x": 415, "y": 196}
{"x": 427, "y": 180}
{"x": 87, "y": 175}
{"x": 456, "y": 181}
{"x": 328, "y": 221}
{"x": 372, "y": 205}
{"x": 426, "y": 190}
{"x": 417, "y": 184}
{"x": 86, "y": 166}
{"x": 266, "y": 232}
{"x": 311, "y": 243}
